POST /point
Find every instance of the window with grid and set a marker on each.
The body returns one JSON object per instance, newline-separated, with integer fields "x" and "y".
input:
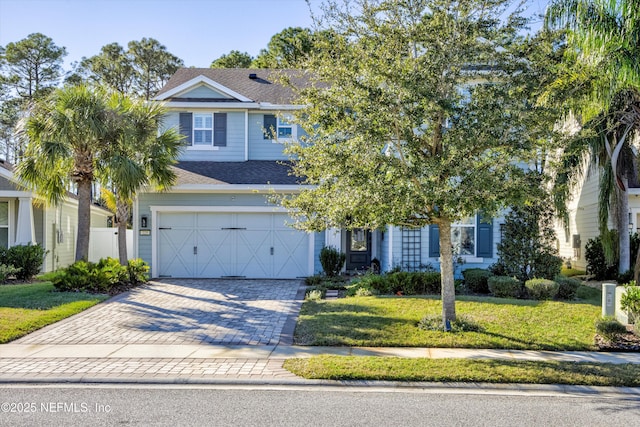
{"x": 411, "y": 248}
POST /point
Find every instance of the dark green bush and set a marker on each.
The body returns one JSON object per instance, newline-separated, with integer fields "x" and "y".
{"x": 407, "y": 283}
{"x": 27, "y": 259}
{"x": 314, "y": 280}
{"x": 541, "y": 289}
{"x": 331, "y": 260}
{"x": 610, "y": 328}
{"x": 625, "y": 277}
{"x": 105, "y": 276}
{"x": 476, "y": 280}
{"x": 505, "y": 286}
{"x": 597, "y": 264}
{"x": 567, "y": 287}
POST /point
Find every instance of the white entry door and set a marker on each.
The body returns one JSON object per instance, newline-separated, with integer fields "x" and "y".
{"x": 253, "y": 245}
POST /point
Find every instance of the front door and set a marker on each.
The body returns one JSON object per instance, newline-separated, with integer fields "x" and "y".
{"x": 358, "y": 249}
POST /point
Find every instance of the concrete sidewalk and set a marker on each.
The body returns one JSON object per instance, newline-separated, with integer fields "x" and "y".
{"x": 145, "y": 363}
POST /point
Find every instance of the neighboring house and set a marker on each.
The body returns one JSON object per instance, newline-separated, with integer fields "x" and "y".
{"x": 217, "y": 220}
{"x": 25, "y": 219}
{"x": 583, "y": 217}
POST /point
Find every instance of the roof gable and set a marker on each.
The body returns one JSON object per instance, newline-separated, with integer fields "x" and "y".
{"x": 244, "y": 84}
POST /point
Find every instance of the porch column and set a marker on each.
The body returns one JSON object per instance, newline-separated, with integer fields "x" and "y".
{"x": 25, "y": 230}
{"x": 333, "y": 237}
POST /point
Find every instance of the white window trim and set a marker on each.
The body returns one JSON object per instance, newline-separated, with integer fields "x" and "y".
{"x": 472, "y": 257}
{"x": 284, "y": 122}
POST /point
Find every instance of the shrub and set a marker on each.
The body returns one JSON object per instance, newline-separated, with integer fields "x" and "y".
{"x": 630, "y": 300}
{"x": 610, "y": 328}
{"x": 541, "y": 289}
{"x": 331, "y": 260}
{"x": 625, "y": 277}
{"x": 313, "y": 295}
{"x": 313, "y": 280}
{"x": 567, "y": 287}
{"x": 105, "y": 276}
{"x": 27, "y": 259}
{"x": 505, "y": 286}
{"x": 461, "y": 324}
{"x": 596, "y": 261}
{"x": 361, "y": 289}
{"x": 528, "y": 246}
{"x": 7, "y": 271}
{"x": 476, "y": 280}
{"x": 138, "y": 271}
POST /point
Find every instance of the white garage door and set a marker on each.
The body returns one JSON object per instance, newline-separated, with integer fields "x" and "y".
{"x": 253, "y": 245}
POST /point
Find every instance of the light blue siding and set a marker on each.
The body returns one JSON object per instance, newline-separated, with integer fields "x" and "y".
{"x": 203, "y": 91}
{"x": 260, "y": 148}
{"x": 234, "y": 150}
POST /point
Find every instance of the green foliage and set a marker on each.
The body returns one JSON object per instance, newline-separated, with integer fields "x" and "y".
{"x": 630, "y": 300}
{"x": 105, "y": 276}
{"x": 527, "y": 249}
{"x": 403, "y": 282}
{"x": 361, "y": 289}
{"x": 625, "y": 277}
{"x": 476, "y": 280}
{"x": 461, "y": 324}
{"x": 331, "y": 260}
{"x": 505, "y": 286}
{"x": 610, "y": 328}
{"x": 234, "y": 59}
{"x": 26, "y": 259}
{"x": 314, "y": 295}
{"x": 567, "y": 287}
{"x": 597, "y": 264}
{"x": 541, "y": 289}
{"x": 7, "y": 271}
{"x": 570, "y": 272}
{"x": 314, "y": 280}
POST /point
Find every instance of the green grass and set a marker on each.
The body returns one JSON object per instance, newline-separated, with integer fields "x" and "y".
{"x": 465, "y": 370}
{"x": 25, "y": 308}
{"x": 505, "y": 323}
{"x": 570, "y": 272}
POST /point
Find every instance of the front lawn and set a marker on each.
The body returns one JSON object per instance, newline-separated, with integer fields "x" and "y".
{"x": 505, "y": 323}
{"x": 465, "y": 370}
{"x": 25, "y": 308}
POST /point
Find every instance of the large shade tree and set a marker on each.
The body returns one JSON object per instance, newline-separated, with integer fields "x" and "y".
{"x": 413, "y": 117}
{"x": 602, "y": 82}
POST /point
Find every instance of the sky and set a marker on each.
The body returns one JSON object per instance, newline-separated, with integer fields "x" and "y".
{"x": 196, "y": 31}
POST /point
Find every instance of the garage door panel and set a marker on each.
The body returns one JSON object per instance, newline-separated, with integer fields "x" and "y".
{"x": 254, "y": 245}
{"x": 176, "y": 252}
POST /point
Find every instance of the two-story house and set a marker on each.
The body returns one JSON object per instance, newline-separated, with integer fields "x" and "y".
{"x": 217, "y": 220}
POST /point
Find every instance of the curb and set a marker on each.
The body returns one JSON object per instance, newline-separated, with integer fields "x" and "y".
{"x": 631, "y": 393}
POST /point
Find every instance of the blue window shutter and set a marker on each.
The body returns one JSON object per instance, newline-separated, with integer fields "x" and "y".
{"x": 485, "y": 237}
{"x": 186, "y": 127}
{"x": 270, "y": 126}
{"x": 220, "y": 130}
{"x": 434, "y": 241}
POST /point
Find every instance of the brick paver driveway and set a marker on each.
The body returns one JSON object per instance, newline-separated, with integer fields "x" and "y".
{"x": 182, "y": 311}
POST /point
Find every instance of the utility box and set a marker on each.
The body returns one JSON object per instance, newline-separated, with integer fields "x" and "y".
{"x": 608, "y": 299}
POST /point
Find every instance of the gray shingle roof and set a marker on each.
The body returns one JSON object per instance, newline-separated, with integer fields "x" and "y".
{"x": 265, "y": 88}
{"x": 252, "y": 172}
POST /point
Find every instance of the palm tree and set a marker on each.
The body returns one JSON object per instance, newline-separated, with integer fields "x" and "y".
{"x": 603, "y": 41}
{"x": 137, "y": 156}
{"x": 66, "y": 133}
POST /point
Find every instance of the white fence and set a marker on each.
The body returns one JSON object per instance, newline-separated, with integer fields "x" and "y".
{"x": 103, "y": 243}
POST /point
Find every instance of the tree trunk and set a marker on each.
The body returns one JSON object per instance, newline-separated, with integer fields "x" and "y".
{"x": 623, "y": 231}
{"x": 122, "y": 218}
{"x": 446, "y": 272}
{"x": 84, "y": 219}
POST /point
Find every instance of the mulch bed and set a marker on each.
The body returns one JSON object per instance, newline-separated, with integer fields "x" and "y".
{"x": 626, "y": 342}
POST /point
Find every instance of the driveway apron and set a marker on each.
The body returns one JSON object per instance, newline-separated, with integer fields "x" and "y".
{"x": 184, "y": 311}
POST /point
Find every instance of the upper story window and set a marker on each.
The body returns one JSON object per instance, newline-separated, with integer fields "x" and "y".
{"x": 278, "y": 129}
{"x": 204, "y": 129}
